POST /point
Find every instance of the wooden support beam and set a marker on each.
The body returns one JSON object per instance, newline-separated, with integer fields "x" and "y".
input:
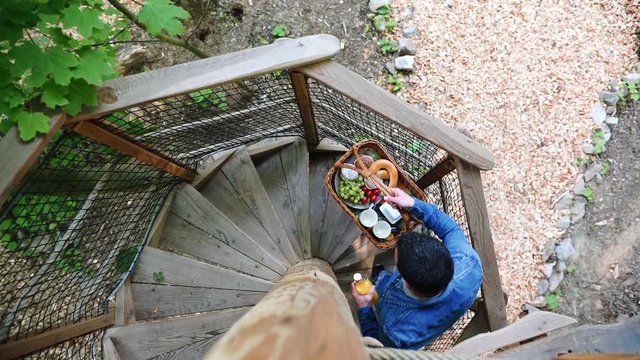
{"x": 125, "y": 313}
{"x": 443, "y": 168}
{"x": 155, "y": 235}
{"x": 328, "y": 145}
{"x": 305, "y": 316}
{"x": 480, "y": 230}
{"x": 301, "y": 89}
{"x": 379, "y": 100}
{"x": 17, "y": 157}
{"x": 19, "y": 348}
{"x": 103, "y": 136}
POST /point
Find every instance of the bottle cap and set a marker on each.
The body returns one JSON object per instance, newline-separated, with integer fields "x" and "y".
{"x": 357, "y": 277}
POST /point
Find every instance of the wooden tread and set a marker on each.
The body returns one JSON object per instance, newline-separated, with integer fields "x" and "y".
{"x": 285, "y": 176}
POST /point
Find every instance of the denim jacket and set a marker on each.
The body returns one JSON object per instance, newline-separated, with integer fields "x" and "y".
{"x": 400, "y": 320}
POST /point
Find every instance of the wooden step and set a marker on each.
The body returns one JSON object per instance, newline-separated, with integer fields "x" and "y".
{"x": 236, "y": 190}
{"x": 332, "y": 231}
{"x": 285, "y": 176}
{"x": 361, "y": 248}
{"x": 145, "y": 340}
{"x": 199, "y": 228}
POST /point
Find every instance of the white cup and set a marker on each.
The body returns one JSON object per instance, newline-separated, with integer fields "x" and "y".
{"x": 368, "y": 218}
{"x": 382, "y": 229}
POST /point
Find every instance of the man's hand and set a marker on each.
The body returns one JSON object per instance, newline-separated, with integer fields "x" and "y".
{"x": 362, "y": 300}
{"x": 400, "y": 199}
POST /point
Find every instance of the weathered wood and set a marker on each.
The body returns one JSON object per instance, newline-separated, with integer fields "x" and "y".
{"x": 343, "y": 239}
{"x": 328, "y": 145}
{"x": 443, "y": 168}
{"x": 182, "y": 271}
{"x": 360, "y": 90}
{"x": 301, "y": 89}
{"x": 125, "y": 313}
{"x": 305, "y": 316}
{"x": 360, "y": 249}
{"x": 109, "y": 350}
{"x": 585, "y": 356}
{"x": 18, "y": 348}
{"x": 285, "y": 177}
{"x": 480, "y": 231}
{"x": 125, "y": 146}
{"x": 479, "y": 323}
{"x": 209, "y": 167}
{"x": 17, "y": 157}
{"x": 155, "y": 301}
{"x": 160, "y": 221}
{"x": 530, "y": 326}
{"x": 197, "y": 350}
{"x": 144, "y": 340}
{"x": 324, "y": 210}
{"x": 184, "y": 78}
{"x": 238, "y": 192}
{"x": 269, "y": 146}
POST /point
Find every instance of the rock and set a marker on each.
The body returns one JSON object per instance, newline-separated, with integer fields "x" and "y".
{"x": 632, "y": 78}
{"x": 547, "y": 270}
{"x": 391, "y": 68}
{"x": 588, "y": 149}
{"x": 404, "y": 63}
{"x": 407, "y": 47}
{"x": 561, "y": 266}
{"x": 564, "y": 201}
{"x": 595, "y": 287}
{"x": 599, "y": 114}
{"x": 539, "y": 302}
{"x": 578, "y": 187}
{"x": 565, "y": 250}
{"x": 380, "y": 23}
{"x": 608, "y": 97}
{"x": 564, "y": 222}
{"x": 548, "y": 250}
{"x": 592, "y": 171}
{"x": 410, "y": 31}
{"x": 578, "y": 210}
{"x": 374, "y": 5}
{"x": 555, "y": 280}
{"x": 606, "y": 131}
{"x": 543, "y": 286}
{"x": 611, "y": 121}
{"x": 611, "y": 110}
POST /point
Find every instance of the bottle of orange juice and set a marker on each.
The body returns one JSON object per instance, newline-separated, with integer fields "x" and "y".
{"x": 363, "y": 286}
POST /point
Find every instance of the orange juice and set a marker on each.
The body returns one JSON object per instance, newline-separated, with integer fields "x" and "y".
{"x": 363, "y": 286}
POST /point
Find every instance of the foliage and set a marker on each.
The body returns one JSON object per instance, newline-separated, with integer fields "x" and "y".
{"x": 598, "y": 141}
{"x": 396, "y": 82}
{"x": 571, "y": 269}
{"x": 203, "y": 97}
{"x": 627, "y": 90}
{"x": 125, "y": 258}
{"x": 359, "y": 138}
{"x": 279, "y": 31}
{"x": 417, "y": 146}
{"x": 581, "y": 162}
{"x": 588, "y": 193}
{"x": 55, "y": 52}
{"x": 604, "y": 170}
{"x": 553, "y": 300}
{"x": 386, "y": 46}
{"x": 72, "y": 260}
{"x": 382, "y": 19}
{"x": 158, "y": 277}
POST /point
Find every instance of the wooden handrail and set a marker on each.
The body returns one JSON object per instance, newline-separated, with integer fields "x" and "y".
{"x": 180, "y": 79}
{"x": 397, "y": 110}
{"x": 301, "y": 89}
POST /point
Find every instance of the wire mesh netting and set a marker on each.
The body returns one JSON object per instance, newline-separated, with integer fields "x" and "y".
{"x": 88, "y": 346}
{"x": 71, "y": 231}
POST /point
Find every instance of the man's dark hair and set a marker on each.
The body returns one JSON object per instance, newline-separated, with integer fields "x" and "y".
{"x": 424, "y": 263}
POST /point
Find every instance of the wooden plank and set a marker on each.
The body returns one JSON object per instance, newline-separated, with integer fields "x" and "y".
{"x": 182, "y": 271}
{"x": 196, "y": 75}
{"x": 342, "y": 240}
{"x": 19, "y": 348}
{"x": 379, "y": 100}
{"x": 109, "y": 350}
{"x": 328, "y": 145}
{"x": 95, "y": 132}
{"x": 301, "y": 89}
{"x": 305, "y": 316}
{"x": 480, "y": 231}
{"x": 609, "y": 356}
{"x": 160, "y": 221}
{"x": 197, "y": 350}
{"x": 17, "y": 157}
{"x": 269, "y": 146}
{"x": 145, "y": 340}
{"x": 238, "y": 192}
{"x": 478, "y": 325}
{"x": 443, "y": 168}
{"x": 530, "y": 326}
{"x": 285, "y": 177}
{"x": 125, "y": 313}
{"x": 324, "y": 210}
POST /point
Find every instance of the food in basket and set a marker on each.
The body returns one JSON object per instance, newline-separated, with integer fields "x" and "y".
{"x": 349, "y": 174}
{"x": 366, "y": 160}
{"x": 387, "y": 165}
{"x": 351, "y": 190}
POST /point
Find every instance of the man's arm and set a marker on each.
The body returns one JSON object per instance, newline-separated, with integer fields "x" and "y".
{"x": 368, "y": 322}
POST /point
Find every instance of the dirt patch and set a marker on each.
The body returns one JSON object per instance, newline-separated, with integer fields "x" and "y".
{"x": 606, "y": 284}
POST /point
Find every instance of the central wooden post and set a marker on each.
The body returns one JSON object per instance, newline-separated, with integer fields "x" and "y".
{"x": 305, "y": 316}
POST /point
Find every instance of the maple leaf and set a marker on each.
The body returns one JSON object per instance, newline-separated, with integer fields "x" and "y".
{"x": 94, "y": 67}
{"x": 84, "y": 20}
{"x": 54, "y": 95}
{"x": 80, "y": 93}
{"x": 54, "y": 62}
{"x": 29, "y": 124}
{"x": 162, "y": 15}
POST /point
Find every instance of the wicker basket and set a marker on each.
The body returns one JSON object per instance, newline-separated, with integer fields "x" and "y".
{"x": 404, "y": 182}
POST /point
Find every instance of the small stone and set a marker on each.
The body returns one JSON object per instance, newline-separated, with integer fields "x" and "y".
{"x": 632, "y": 78}
{"x": 391, "y": 68}
{"x": 410, "y": 31}
{"x": 608, "y": 97}
{"x": 611, "y": 120}
{"x": 578, "y": 210}
{"x": 404, "y": 63}
{"x": 606, "y": 132}
{"x": 539, "y": 302}
{"x": 588, "y": 149}
{"x": 407, "y": 47}
{"x": 595, "y": 287}
{"x": 548, "y": 250}
{"x": 561, "y": 266}
{"x": 564, "y": 201}
{"x": 543, "y": 286}
{"x": 374, "y": 5}
{"x": 564, "y": 222}
{"x": 599, "y": 114}
{"x": 592, "y": 171}
{"x": 601, "y": 223}
{"x": 578, "y": 187}
{"x": 555, "y": 280}
{"x": 530, "y": 309}
{"x": 565, "y": 250}
{"x": 547, "y": 270}
{"x": 611, "y": 110}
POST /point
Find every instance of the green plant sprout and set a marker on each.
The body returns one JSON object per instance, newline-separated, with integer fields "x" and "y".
{"x": 158, "y": 277}
{"x": 588, "y": 193}
{"x": 599, "y": 141}
{"x": 553, "y": 301}
{"x": 396, "y": 83}
{"x": 279, "y": 31}
{"x": 72, "y": 260}
{"x": 604, "y": 170}
{"x": 386, "y": 46}
{"x": 218, "y": 99}
{"x": 581, "y": 162}
{"x": 571, "y": 269}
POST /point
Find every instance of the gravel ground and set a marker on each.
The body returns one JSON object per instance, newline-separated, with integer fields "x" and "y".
{"x": 523, "y": 77}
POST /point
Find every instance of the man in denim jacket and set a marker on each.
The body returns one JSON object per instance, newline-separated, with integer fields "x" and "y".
{"x": 434, "y": 286}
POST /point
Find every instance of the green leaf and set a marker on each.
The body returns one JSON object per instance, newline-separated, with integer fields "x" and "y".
{"x": 30, "y": 123}
{"x": 54, "y": 62}
{"x": 279, "y": 31}
{"x": 85, "y": 20}
{"x": 158, "y": 277}
{"x": 162, "y": 15}
{"x": 94, "y": 67}
{"x": 80, "y": 93}
{"x": 54, "y": 95}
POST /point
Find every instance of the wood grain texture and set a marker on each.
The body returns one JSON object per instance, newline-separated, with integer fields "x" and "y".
{"x": 192, "y": 207}
{"x": 209, "y": 167}
{"x": 109, "y": 350}
{"x": 441, "y": 169}
{"x": 154, "y": 301}
{"x": 530, "y": 326}
{"x": 184, "y": 78}
{"x": 19, "y": 348}
{"x": 360, "y": 249}
{"x": 480, "y": 230}
{"x": 125, "y": 313}
{"x": 160, "y": 221}
{"x": 195, "y": 351}
{"x": 479, "y": 323}
{"x": 585, "y": 356}
{"x": 127, "y": 147}
{"x": 268, "y": 146}
{"x": 285, "y": 176}
{"x": 343, "y": 239}
{"x": 145, "y": 340}
{"x": 305, "y": 316}
{"x": 17, "y": 157}
{"x": 328, "y": 145}
{"x": 392, "y": 107}
{"x": 301, "y": 89}
{"x": 238, "y": 192}
{"x": 182, "y": 271}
